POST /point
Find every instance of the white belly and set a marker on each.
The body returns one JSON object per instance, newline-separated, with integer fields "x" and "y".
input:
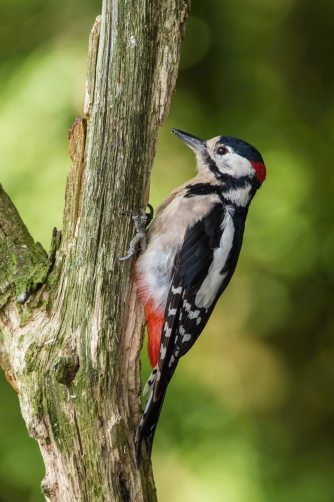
{"x": 153, "y": 272}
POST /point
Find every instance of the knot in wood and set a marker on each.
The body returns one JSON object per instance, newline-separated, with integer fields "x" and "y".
{"x": 65, "y": 368}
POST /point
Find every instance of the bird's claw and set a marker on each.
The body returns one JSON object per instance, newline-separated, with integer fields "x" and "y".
{"x": 141, "y": 220}
{"x": 149, "y": 216}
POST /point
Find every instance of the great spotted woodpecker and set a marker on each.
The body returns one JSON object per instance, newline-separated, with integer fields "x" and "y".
{"x": 193, "y": 246}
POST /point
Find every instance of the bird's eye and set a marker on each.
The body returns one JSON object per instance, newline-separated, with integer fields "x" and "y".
{"x": 222, "y": 150}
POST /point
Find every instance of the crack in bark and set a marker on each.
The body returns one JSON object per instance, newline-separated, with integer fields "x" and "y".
{"x": 125, "y": 493}
{"x": 81, "y": 450}
{"x": 99, "y": 228}
{"x": 105, "y": 111}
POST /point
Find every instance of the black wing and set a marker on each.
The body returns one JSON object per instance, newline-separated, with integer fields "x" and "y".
{"x": 182, "y": 317}
{"x": 184, "y": 321}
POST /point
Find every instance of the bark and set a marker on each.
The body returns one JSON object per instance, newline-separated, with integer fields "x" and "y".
{"x": 71, "y": 326}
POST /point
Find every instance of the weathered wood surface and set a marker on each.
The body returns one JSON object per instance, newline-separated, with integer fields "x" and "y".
{"x": 71, "y": 326}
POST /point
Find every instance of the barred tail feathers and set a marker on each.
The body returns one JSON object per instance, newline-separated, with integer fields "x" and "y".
{"x": 150, "y": 380}
{"x": 150, "y": 418}
{"x": 148, "y": 423}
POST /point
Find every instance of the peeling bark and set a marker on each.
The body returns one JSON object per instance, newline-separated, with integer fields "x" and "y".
{"x": 71, "y": 325}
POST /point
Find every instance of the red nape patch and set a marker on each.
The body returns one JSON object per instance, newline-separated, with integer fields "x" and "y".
{"x": 155, "y": 322}
{"x": 260, "y": 170}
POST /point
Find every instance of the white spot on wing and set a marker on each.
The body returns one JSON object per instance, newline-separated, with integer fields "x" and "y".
{"x": 163, "y": 351}
{"x": 186, "y": 338}
{"x": 193, "y": 314}
{"x": 186, "y": 305}
{"x": 172, "y": 359}
{"x": 176, "y": 291}
{"x": 171, "y": 312}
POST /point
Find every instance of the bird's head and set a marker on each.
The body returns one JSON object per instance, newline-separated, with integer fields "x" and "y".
{"x": 226, "y": 157}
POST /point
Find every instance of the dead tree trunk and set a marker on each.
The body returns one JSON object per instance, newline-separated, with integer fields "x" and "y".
{"x": 71, "y": 325}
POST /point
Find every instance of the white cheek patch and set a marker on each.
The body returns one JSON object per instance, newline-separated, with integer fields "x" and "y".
{"x": 213, "y": 281}
{"x": 234, "y": 164}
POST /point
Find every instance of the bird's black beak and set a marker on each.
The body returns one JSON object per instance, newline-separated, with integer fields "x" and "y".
{"x": 197, "y": 144}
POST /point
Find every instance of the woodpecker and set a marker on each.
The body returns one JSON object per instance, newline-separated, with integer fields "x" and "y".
{"x": 190, "y": 255}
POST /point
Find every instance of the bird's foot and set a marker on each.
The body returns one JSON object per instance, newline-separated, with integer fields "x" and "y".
{"x": 141, "y": 221}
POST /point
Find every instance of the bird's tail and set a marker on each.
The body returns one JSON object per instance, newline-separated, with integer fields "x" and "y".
{"x": 152, "y": 410}
{"x": 149, "y": 422}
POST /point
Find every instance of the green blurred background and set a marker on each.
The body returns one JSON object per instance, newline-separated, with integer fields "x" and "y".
{"x": 249, "y": 413}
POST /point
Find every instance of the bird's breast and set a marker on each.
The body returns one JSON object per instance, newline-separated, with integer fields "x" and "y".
{"x": 165, "y": 239}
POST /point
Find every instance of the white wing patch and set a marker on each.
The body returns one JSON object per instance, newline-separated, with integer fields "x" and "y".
{"x": 211, "y": 284}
